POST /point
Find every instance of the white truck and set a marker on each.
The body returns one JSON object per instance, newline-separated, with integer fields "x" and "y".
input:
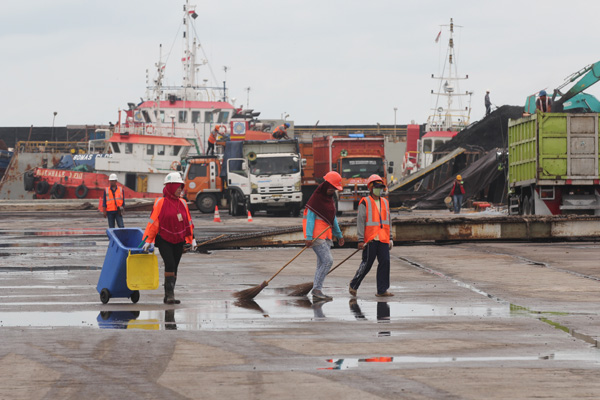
{"x": 263, "y": 175}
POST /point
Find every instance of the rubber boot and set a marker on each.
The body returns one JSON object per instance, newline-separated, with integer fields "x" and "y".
{"x": 170, "y": 290}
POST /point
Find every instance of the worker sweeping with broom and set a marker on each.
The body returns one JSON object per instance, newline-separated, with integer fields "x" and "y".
{"x": 319, "y": 215}
{"x": 374, "y": 238}
{"x": 171, "y": 227}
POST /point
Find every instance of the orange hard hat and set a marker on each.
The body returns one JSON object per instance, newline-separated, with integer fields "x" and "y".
{"x": 374, "y": 178}
{"x": 334, "y": 179}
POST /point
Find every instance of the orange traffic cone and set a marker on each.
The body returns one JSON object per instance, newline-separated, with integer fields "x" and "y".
{"x": 217, "y": 217}
{"x": 249, "y": 216}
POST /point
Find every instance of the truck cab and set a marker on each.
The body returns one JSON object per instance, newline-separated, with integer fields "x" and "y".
{"x": 203, "y": 185}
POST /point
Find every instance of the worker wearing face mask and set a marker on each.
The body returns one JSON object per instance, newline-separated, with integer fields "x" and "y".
{"x": 374, "y": 237}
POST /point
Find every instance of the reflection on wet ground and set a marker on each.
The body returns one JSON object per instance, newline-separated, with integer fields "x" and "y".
{"x": 347, "y": 363}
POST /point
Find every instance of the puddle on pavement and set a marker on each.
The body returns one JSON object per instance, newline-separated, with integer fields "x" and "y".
{"x": 264, "y": 313}
{"x": 50, "y": 244}
{"x": 347, "y": 363}
{"x": 66, "y": 268}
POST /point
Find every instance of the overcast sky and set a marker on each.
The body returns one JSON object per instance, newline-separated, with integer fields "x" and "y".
{"x": 332, "y": 61}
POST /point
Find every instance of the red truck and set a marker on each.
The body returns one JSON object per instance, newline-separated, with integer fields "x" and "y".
{"x": 355, "y": 159}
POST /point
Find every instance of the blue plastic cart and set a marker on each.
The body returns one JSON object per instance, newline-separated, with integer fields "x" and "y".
{"x": 113, "y": 277}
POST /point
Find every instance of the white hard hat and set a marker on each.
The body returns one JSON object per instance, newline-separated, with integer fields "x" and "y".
{"x": 487, "y": 90}
{"x": 173, "y": 177}
{"x": 112, "y": 177}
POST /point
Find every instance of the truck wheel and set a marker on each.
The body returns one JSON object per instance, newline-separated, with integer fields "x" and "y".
{"x": 233, "y": 206}
{"x": 295, "y": 211}
{"x": 206, "y": 203}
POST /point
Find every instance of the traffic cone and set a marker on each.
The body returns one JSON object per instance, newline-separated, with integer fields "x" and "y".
{"x": 249, "y": 216}
{"x": 217, "y": 217}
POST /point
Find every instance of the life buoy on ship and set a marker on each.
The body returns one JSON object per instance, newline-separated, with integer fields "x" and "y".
{"x": 175, "y": 165}
{"x": 81, "y": 191}
{"x": 149, "y": 129}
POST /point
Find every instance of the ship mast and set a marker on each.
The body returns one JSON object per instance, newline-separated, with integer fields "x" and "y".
{"x": 449, "y": 116}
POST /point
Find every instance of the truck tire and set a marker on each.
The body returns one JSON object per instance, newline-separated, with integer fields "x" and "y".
{"x": 29, "y": 181}
{"x": 295, "y": 211}
{"x": 58, "y": 191}
{"x": 233, "y": 205}
{"x": 41, "y": 187}
{"x": 206, "y": 203}
{"x": 81, "y": 191}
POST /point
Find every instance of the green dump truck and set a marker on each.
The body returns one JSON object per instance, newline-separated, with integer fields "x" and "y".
{"x": 553, "y": 164}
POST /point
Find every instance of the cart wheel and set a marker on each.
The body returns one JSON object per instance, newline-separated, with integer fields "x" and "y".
{"x": 135, "y": 296}
{"x": 104, "y": 296}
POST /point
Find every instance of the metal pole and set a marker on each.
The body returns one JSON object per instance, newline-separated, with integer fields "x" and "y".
{"x": 395, "y": 109}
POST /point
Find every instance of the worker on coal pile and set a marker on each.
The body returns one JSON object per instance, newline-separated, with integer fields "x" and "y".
{"x": 320, "y": 224}
{"x": 113, "y": 203}
{"x": 374, "y": 237}
{"x": 543, "y": 103}
{"x": 457, "y": 193}
{"x": 281, "y": 131}
{"x": 212, "y": 139}
{"x": 170, "y": 227}
{"x": 488, "y": 103}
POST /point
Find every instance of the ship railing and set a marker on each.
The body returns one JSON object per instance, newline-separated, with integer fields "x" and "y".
{"x": 51, "y": 147}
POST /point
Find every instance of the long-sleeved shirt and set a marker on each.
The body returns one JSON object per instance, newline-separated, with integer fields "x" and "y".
{"x": 310, "y": 225}
{"x": 361, "y": 221}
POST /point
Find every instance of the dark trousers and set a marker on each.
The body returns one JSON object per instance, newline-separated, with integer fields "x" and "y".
{"x": 170, "y": 253}
{"x": 372, "y": 250}
{"x": 211, "y": 148}
{"x": 113, "y": 216}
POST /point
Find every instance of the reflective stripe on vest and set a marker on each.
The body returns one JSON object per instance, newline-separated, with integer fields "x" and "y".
{"x": 377, "y": 221}
{"x": 116, "y": 201}
{"x": 320, "y": 226}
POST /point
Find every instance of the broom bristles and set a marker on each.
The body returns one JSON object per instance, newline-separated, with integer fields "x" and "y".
{"x": 301, "y": 289}
{"x": 251, "y": 293}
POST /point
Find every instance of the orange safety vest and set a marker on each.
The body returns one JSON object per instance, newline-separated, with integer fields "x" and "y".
{"x": 113, "y": 203}
{"x": 377, "y": 222}
{"x": 153, "y": 226}
{"x": 279, "y": 132}
{"x": 320, "y": 226}
{"x": 213, "y": 137}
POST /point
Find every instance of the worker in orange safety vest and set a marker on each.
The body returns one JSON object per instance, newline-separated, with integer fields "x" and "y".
{"x": 374, "y": 237}
{"x": 113, "y": 203}
{"x": 212, "y": 139}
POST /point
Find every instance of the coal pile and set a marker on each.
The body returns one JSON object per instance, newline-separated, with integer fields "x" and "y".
{"x": 486, "y": 134}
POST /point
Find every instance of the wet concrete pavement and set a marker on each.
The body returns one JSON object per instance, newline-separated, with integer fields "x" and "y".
{"x": 469, "y": 321}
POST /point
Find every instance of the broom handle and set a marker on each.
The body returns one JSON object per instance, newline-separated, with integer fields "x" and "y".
{"x": 304, "y": 248}
{"x": 346, "y": 259}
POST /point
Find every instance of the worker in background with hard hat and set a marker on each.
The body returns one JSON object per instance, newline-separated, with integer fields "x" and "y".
{"x": 488, "y": 103}
{"x": 170, "y": 227}
{"x": 113, "y": 203}
{"x": 281, "y": 131}
{"x": 212, "y": 139}
{"x": 320, "y": 224}
{"x": 457, "y": 193}
{"x": 373, "y": 224}
{"x": 543, "y": 103}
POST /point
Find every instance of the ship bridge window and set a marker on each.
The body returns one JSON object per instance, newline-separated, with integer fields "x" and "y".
{"x": 159, "y": 117}
{"x": 223, "y": 117}
{"x": 175, "y": 150}
{"x": 427, "y": 145}
{"x": 195, "y": 117}
{"x": 197, "y": 170}
{"x": 128, "y": 148}
{"x": 160, "y": 150}
{"x": 115, "y": 148}
{"x": 150, "y": 149}
{"x": 208, "y": 117}
{"x": 146, "y": 116}
{"x": 438, "y": 143}
{"x": 182, "y": 116}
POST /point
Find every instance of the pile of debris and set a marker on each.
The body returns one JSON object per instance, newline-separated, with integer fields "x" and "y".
{"x": 486, "y": 134}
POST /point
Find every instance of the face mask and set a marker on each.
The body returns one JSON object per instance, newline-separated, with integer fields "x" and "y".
{"x": 377, "y": 191}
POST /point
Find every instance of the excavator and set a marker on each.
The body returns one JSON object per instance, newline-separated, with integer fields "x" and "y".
{"x": 574, "y": 100}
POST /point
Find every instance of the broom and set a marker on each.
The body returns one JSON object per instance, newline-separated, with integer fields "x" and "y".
{"x": 251, "y": 293}
{"x": 210, "y": 240}
{"x": 303, "y": 288}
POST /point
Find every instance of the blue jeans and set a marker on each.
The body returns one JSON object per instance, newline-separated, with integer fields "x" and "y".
{"x": 457, "y": 201}
{"x": 322, "y": 249}
{"x": 114, "y": 216}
